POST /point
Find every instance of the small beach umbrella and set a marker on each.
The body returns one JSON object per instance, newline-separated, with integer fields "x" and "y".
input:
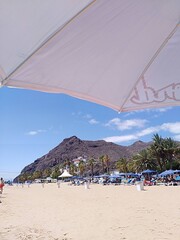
{"x": 130, "y": 174}
{"x": 123, "y": 54}
{"x": 167, "y": 172}
{"x": 148, "y": 171}
{"x": 122, "y": 174}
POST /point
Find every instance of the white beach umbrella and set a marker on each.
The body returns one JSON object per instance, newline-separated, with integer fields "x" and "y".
{"x": 123, "y": 54}
{"x": 65, "y": 174}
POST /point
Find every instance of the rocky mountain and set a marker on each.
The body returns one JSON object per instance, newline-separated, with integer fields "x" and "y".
{"x": 73, "y": 147}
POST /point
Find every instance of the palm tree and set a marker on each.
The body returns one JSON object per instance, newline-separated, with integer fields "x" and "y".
{"x": 82, "y": 167}
{"x": 131, "y": 166}
{"x": 101, "y": 159}
{"x": 47, "y": 172}
{"x": 156, "y": 151}
{"x": 91, "y": 163}
{"x": 122, "y": 165}
{"x": 164, "y": 150}
{"x": 106, "y": 160}
{"x": 143, "y": 161}
{"x": 56, "y": 172}
{"x": 170, "y": 149}
{"x": 72, "y": 169}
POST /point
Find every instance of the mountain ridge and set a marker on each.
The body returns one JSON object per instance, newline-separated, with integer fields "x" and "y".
{"x": 73, "y": 147}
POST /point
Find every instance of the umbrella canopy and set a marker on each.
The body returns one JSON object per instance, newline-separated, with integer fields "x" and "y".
{"x": 122, "y": 174}
{"x": 166, "y": 173}
{"x": 115, "y": 176}
{"x": 65, "y": 174}
{"x": 130, "y": 174}
{"x": 122, "y": 54}
{"x": 148, "y": 171}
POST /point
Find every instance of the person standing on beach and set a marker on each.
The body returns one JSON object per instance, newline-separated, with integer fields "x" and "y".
{"x": 58, "y": 183}
{"x": 1, "y": 185}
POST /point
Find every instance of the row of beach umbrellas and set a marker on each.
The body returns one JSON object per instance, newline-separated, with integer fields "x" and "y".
{"x": 163, "y": 174}
{"x": 130, "y": 174}
{"x": 145, "y": 172}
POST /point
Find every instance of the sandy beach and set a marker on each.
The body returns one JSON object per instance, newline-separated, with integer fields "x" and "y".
{"x": 99, "y": 213}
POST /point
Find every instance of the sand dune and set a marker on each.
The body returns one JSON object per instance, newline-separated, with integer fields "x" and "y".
{"x": 99, "y": 213}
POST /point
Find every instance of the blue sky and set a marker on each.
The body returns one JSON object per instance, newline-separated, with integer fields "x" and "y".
{"x": 32, "y": 123}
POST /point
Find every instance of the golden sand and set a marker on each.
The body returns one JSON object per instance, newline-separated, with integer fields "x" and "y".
{"x": 98, "y": 213}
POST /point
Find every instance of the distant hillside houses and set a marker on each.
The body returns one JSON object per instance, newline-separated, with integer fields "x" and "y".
{"x": 76, "y": 161}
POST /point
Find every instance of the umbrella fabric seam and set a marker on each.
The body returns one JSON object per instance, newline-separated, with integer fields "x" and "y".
{"x": 46, "y": 41}
{"x": 150, "y": 62}
{"x": 79, "y": 95}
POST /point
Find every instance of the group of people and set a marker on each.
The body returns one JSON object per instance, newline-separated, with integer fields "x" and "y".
{"x": 1, "y": 186}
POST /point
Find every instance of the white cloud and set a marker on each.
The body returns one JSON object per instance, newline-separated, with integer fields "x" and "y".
{"x": 165, "y": 109}
{"x": 87, "y": 116}
{"x": 93, "y": 121}
{"x": 177, "y": 137}
{"x": 121, "y": 125}
{"x": 171, "y": 127}
{"x": 148, "y": 131}
{"x": 32, "y": 133}
{"x": 159, "y": 110}
{"x": 130, "y": 137}
{"x": 118, "y": 139}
